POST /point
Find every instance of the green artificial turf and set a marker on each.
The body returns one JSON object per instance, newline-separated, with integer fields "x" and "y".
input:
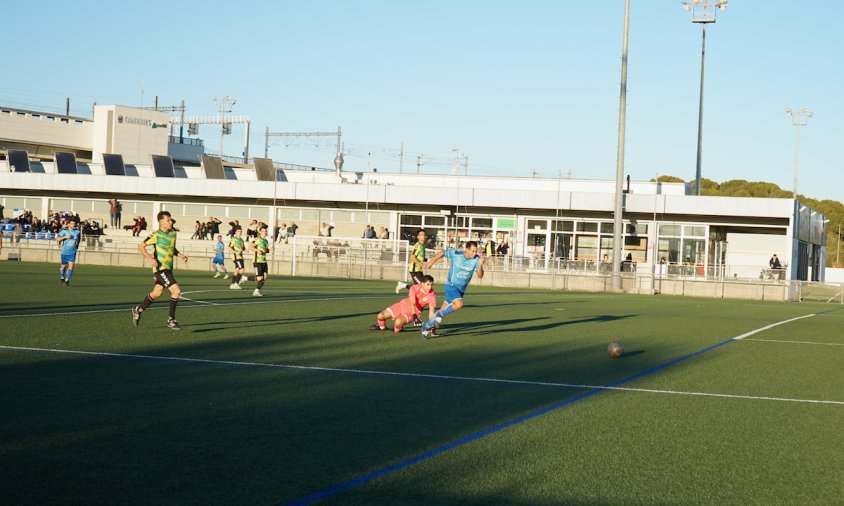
{"x": 269, "y": 400}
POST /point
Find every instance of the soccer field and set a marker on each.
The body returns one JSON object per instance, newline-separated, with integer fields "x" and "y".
{"x": 290, "y": 398}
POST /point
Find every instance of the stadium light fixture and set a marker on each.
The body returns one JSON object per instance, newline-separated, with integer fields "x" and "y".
{"x": 703, "y": 12}
{"x": 224, "y": 105}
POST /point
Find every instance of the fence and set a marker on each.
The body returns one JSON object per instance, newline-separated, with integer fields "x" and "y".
{"x": 387, "y": 260}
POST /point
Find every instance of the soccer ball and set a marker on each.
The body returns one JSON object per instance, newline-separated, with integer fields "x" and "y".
{"x": 615, "y": 349}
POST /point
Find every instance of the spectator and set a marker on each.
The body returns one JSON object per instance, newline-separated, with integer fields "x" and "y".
{"x": 115, "y": 208}
{"x": 291, "y": 230}
{"x": 252, "y": 230}
{"x": 774, "y": 263}
{"x": 325, "y": 230}
{"x": 369, "y": 232}
{"x": 281, "y": 235}
{"x": 234, "y": 227}
{"x": 136, "y": 229}
{"x": 197, "y": 230}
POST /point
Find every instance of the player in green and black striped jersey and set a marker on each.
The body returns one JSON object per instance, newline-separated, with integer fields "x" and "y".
{"x": 261, "y": 247}
{"x": 237, "y": 246}
{"x": 416, "y": 263}
{"x": 163, "y": 241}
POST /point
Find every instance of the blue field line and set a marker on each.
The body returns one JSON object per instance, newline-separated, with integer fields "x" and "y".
{"x": 328, "y": 492}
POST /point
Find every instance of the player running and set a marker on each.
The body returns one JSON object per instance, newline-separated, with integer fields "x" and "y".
{"x": 261, "y": 246}
{"x": 237, "y": 246}
{"x": 417, "y": 262}
{"x": 462, "y": 265}
{"x": 219, "y": 261}
{"x": 163, "y": 241}
{"x": 68, "y": 239}
{"x": 407, "y": 310}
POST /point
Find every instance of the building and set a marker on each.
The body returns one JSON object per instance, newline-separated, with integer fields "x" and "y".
{"x": 545, "y": 222}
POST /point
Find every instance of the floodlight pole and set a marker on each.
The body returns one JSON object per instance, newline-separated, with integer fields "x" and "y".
{"x": 224, "y": 105}
{"x": 703, "y": 12}
{"x": 619, "y": 162}
{"x": 799, "y": 119}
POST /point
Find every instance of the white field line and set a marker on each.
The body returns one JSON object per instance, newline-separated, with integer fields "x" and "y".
{"x": 795, "y": 342}
{"x": 766, "y": 327}
{"x": 198, "y": 301}
{"x": 418, "y": 375}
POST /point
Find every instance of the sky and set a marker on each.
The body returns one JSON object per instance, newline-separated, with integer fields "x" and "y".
{"x": 526, "y": 88}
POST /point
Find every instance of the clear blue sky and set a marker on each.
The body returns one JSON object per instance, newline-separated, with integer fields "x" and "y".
{"x": 518, "y": 87}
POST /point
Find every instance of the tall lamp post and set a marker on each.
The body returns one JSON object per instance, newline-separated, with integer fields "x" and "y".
{"x": 619, "y": 159}
{"x": 703, "y": 12}
{"x": 224, "y": 105}
{"x": 799, "y": 119}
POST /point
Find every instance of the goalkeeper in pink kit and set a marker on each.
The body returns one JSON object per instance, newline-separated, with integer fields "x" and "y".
{"x": 406, "y": 310}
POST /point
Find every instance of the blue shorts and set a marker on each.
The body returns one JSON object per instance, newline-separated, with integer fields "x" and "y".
{"x": 452, "y": 293}
{"x": 218, "y": 260}
{"x": 68, "y": 258}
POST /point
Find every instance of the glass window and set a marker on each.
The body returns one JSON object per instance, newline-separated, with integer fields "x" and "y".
{"x": 310, "y": 214}
{"x": 586, "y": 247}
{"x": 673, "y": 230}
{"x": 192, "y": 210}
{"x": 342, "y": 216}
{"x": 215, "y": 211}
{"x": 694, "y": 250}
{"x": 481, "y": 222}
{"x": 636, "y": 229}
{"x": 15, "y": 203}
{"x": 434, "y": 220}
{"x": 59, "y": 204}
{"x": 606, "y": 246}
{"x": 259, "y": 213}
{"x": 694, "y": 230}
{"x": 243, "y": 212}
{"x": 562, "y": 245}
{"x": 33, "y": 203}
{"x": 102, "y": 206}
{"x": 143, "y": 207}
{"x": 375, "y": 217}
{"x": 669, "y": 249}
{"x": 537, "y": 224}
{"x": 563, "y": 226}
{"x": 587, "y": 226}
{"x": 411, "y": 219}
{"x": 607, "y": 228}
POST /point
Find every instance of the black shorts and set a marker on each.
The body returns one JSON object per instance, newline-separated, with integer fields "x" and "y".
{"x": 416, "y": 276}
{"x": 261, "y": 269}
{"x": 238, "y": 263}
{"x": 165, "y": 278}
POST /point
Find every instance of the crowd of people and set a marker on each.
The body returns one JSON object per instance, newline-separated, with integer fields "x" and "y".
{"x": 53, "y": 223}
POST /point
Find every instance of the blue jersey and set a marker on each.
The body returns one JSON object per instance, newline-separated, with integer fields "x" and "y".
{"x": 219, "y": 249}
{"x": 460, "y": 269}
{"x": 71, "y": 244}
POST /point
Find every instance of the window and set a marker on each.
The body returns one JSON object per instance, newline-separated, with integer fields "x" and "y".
{"x": 587, "y": 226}
{"x": 537, "y": 224}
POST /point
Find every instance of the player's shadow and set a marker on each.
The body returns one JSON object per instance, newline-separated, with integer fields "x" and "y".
{"x": 496, "y": 327}
{"x": 215, "y": 326}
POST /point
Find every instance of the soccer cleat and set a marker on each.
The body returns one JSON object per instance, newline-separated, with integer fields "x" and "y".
{"x": 226, "y": 276}
{"x": 397, "y": 330}
{"x": 257, "y": 293}
{"x": 136, "y": 315}
{"x": 235, "y": 286}
{"x": 416, "y": 322}
{"x": 67, "y": 283}
{"x": 376, "y": 327}
{"x": 399, "y": 286}
{"x": 216, "y": 275}
{"x": 425, "y": 334}
{"x": 61, "y": 280}
{"x": 172, "y": 324}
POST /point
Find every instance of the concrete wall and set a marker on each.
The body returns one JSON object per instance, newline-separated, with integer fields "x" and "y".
{"x": 37, "y": 128}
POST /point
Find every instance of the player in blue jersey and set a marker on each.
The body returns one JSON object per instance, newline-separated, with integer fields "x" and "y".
{"x": 68, "y": 239}
{"x": 218, "y": 263}
{"x": 462, "y": 265}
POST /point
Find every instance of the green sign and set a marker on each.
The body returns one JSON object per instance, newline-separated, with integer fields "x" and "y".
{"x": 505, "y": 223}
